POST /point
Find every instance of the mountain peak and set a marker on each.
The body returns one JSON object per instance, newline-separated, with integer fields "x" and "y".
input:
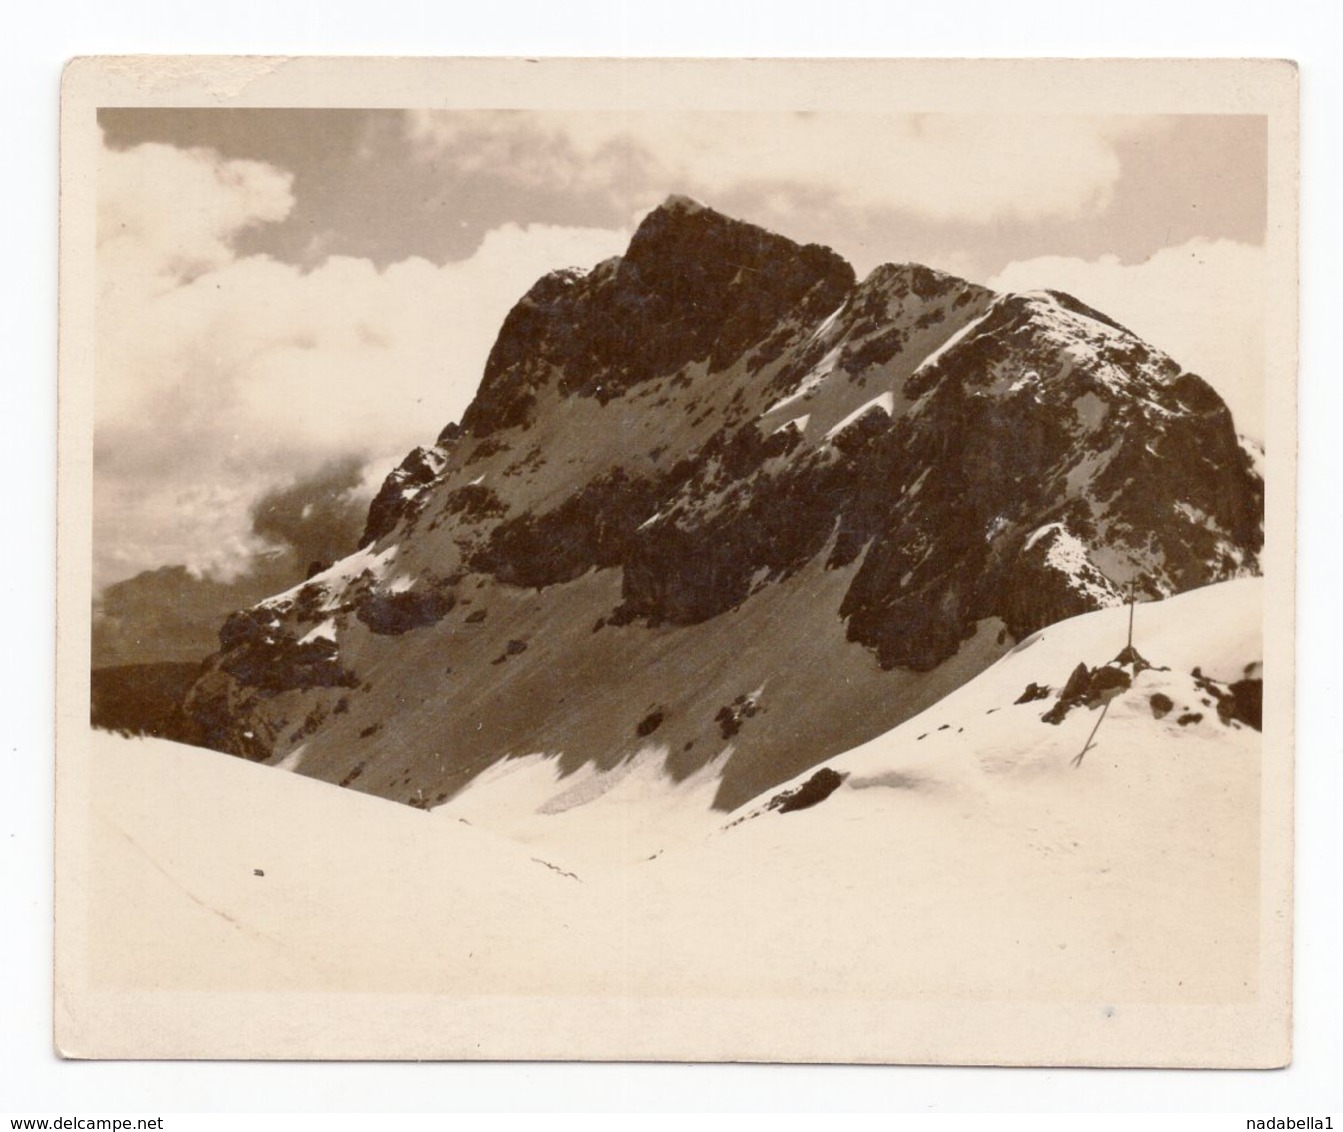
{"x": 714, "y": 499}
{"x": 679, "y": 202}
{"x": 682, "y": 228}
{"x": 693, "y": 286}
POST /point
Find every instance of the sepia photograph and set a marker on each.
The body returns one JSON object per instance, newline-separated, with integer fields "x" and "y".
{"x": 677, "y": 560}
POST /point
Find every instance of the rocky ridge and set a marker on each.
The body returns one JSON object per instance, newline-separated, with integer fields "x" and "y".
{"x": 718, "y": 477}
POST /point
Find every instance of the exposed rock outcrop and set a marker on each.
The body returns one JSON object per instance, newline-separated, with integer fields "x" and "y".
{"x": 719, "y": 470}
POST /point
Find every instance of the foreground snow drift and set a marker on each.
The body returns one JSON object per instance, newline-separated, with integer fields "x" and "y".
{"x": 961, "y": 856}
{"x": 973, "y": 858}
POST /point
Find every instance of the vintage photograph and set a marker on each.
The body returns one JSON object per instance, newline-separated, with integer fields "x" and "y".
{"x": 719, "y": 561}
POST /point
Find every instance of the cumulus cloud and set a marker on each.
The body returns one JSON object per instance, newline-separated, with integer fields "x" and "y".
{"x": 942, "y": 167}
{"x": 1201, "y": 302}
{"x": 223, "y": 376}
{"x": 144, "y": 246}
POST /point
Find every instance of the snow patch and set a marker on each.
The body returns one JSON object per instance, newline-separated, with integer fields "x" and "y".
{"x": 1086, "y": 469}
{"x": 293, "y": 760}
{"x": 326, "y": 631}
{"x": 960, "y": 336}
{"x": 828, "y": 321}
{"x": 402, "y": 583}
{"x": 1039, "y": 533}
{"x": 1255, "y": 451}
{"x": 814, "y": 378}
{"x": 336, "y": 577}
{"x": 883, "y": 401}
{"x": 917, "y": 485}
{"x": 1090, "y": 410}
{"x": 594, "y": 817}
{"x": 1196, "y": 515}
{"x": 1067, "y": 554}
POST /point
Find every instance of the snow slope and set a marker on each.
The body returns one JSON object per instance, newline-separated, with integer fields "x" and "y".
{"x": 238, "y": 877}
{"x": 962, "y": 857}
{"x": 979, "y": 861}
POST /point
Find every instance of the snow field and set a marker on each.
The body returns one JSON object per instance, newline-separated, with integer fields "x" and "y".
{"x": 972, "y": 862}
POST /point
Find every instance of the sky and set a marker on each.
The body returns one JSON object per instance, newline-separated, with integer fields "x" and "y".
{"x": 290, "y": 300}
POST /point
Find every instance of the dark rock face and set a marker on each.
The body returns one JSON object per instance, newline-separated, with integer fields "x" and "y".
{"x": 1076, "y": 686}
{"x": 144, "y": 699}
{"x": 650, "y": 723}
{"x": 281, "y": 664}
{"x": 694, "y": 286}
{"x": 1105, "y": 683}
{"x": 592, "y": 527}
{"x": 1091, "y": 688}
{"x": 1242, "y": 700}
{"x": 395, "y": 499}
{"x": 718, "y": 417}
{"x": 1247, "y": 703}
{"x": 1236, "y": 703}
{"x": 396, "y": 613}
{"x": 813, "y": 792}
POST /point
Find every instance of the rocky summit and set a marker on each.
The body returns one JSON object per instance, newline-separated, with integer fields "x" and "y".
{"x": 720, "y": 501}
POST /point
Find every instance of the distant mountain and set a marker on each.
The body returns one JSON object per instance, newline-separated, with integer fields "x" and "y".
{"x": 171, "y": 614}
{"x": 721, "y": 503}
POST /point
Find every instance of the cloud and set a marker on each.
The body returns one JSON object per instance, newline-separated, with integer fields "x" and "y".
{"x": 320, "y": 518}
{"x": 149, "y": 247}
{"x": 941, "y": 167}
{"x": 223, "y": 376}
{"x": 174, "y": 613}
{"x": 1201, "y": 302}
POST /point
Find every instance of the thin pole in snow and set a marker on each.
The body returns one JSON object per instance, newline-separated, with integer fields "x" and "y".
{"x": 1087, "y": 746}
{"x": 1128, "y": 652}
